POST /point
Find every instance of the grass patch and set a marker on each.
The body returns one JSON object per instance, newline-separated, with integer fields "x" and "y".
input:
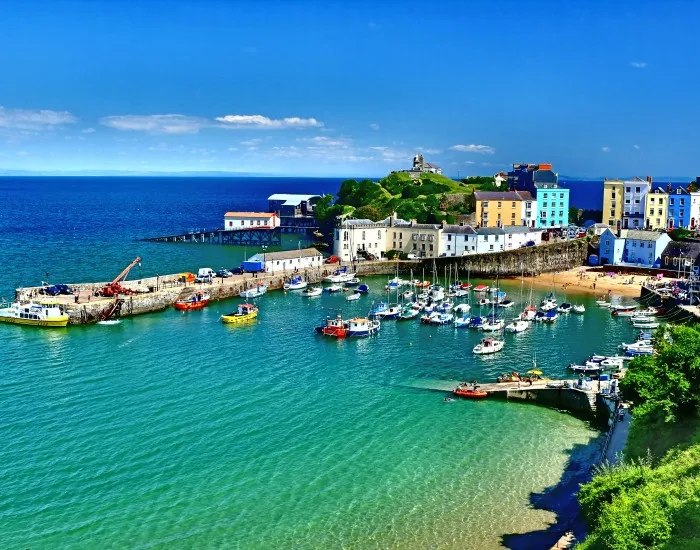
{"x": 651, "y": 434}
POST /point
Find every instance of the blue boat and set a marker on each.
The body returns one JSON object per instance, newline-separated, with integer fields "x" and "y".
{"x": 362, "y": 289}
{"x": 476, "y": 322}
{"x": 379, "y": 307}
{"x": 352, "y": 282}
{"x": 462, "y": 322}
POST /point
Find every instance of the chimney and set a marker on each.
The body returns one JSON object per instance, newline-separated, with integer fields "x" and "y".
{"x": 668, "y": 188}
{"x": 649, "y": 179}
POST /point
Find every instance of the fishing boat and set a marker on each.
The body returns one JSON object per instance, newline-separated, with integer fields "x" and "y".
{"x": 641, "y": 345}
{"x": 488, "y": 345}
{"x": 245, "y": 313}
{"x": 361, "y": 326}
{"x": 352, "y": 297}
{"x": 549, "y": 317}
{"x": 47, "y": 313}
{"x": 579, "y": 308}
{"x": 548, "y": 301}
{"x": 352, "y": 282}
{"x": 647, "y": 323}
{"x": 588, "y": 368}
{"x": 469, "y": 393}
{"x": 517, "y": 326}
{"x": 623, "y": 311}
{"x": 481, "y": 288}
{"x": 198, "y": 300}
{"x": 377, "y": 308}
{"x": 442, "y": 319}
{"x": 310, "y": 292}
{"x": 462, "y": 321}
{"x": 333, "y": 326}
{"x": 459, "y": 292}
{"x": 564, "y": 308}
{"x": 333, "y": 289}
{"x": 254, "y": 292}
{"x": 476, "y": 322}
{"x": 340, "y": 275}
{"x": 506, "y": 303}
{"x": 296, "y": 283}
{"x": 363, "y": 289}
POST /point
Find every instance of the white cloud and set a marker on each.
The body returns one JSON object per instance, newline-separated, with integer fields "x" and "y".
{"x": 28, "y": 119}
{"x": 260, "y": 121}
{"x": 433, "y": 151}
{"x": 233, "y": 149}
{"x": 638, "y": 64}
{"x": 374, "y": 126}
{"x": 156, "y": 124}
{"x": 469, "y": 162}
{"x": 251, "y": 142}
{"x": 636, "y": 147}
{"x": 605, "y": 149}
{"x": 324, "y": 141}
{"x": 22, "y": 153}
{"x": 482, "y": 149}
{"x": 89, "y": 131}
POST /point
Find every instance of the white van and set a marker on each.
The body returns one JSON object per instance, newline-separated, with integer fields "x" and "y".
{"x": 205, "y": 275}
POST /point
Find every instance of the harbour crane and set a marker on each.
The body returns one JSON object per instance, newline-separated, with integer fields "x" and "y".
{"x": 115, "y": 288}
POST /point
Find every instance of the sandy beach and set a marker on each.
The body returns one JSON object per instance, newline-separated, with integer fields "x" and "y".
{"x": 583, "y": 279}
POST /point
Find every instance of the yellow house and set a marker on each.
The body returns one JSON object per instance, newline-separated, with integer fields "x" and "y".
{"x": 500, "y": 208}
{"x": 612, "y": 202}
{"x": 656, "y": 209}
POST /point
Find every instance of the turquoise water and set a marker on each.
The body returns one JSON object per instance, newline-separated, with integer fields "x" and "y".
{"x": 172, "y": 430}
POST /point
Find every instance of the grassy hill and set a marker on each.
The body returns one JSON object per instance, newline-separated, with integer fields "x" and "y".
{"x": 427, "y": 198}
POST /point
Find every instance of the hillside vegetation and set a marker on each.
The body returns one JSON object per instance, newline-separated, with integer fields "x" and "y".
{"x": 429, "y": 198}
{"x": 652, "y": 499}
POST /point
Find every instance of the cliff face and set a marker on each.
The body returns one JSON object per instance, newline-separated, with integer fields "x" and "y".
{"x": 533, "y": 260}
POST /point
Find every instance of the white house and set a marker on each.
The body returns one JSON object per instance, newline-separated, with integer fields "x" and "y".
{"x": 635, "y": 194}
{"x": 517, "y": 236}
{"x": 360, "y": 237}
{"x": 490, "y": 239}
{"x": 289, "y": 260}
{"x": 529, "y": 209}
{"x": 457, "y": 240}
{"x": 250, "y": 220}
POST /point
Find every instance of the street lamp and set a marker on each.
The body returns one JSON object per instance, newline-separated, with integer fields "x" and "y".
{"x": 264, "y": 248}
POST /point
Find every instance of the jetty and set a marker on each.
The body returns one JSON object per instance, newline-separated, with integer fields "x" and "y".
{"x": 255, "y": 237}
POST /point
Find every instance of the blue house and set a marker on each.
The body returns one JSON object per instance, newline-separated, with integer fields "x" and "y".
{"x": 679, "y": 206}
{"x": 542, "y": 183}
{"x": 632, "y": 247}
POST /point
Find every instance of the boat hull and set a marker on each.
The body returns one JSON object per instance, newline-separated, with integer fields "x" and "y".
{"x": 470, "y": 394}
{"x": 239, "y": 319}
{"x": 56, "y": 322}
{"x": 186, "y": 306}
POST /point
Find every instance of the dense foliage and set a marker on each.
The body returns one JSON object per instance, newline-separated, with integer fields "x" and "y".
{"x": 639, "y": 504}
{"x": 679, "y": 234}
{"x": 483, "y": 183}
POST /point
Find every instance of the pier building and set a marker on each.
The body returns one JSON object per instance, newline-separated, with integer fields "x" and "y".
{"x": 250, "y": 220}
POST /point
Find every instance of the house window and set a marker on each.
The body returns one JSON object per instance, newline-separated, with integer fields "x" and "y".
{"x": 499, "y": 204}
{"x": 628, "y": 189}
{"x": 670, "y": 202}
{"x": 661, "y": 201}
{"x": 448, "y": 247}
{"x": 512, "y": 215}
{"x": 400, "y": 235}
{"x": 495, "y": 238}
{"x": 649, "y": 245}
{"x": 430, "y": 238}
{"x": 561, "y": 213}
{"x": 681, "y": 202}
{"x": 561, "y": 205}
{"x": 651, "y": 211}
{"x": 484, "y": 204}
{"x": 414, "y": 237}
{"x": 394, "y": 234}
{"x": 415, "y": 246}
{"x": 637, "y": 189}
{"x": 242, "y": 222}
{"x": 465, "y": 238}
{"x": 400, "y": 245}
{"x": 394, "y": 245}
{"x": 634, "y": 244}
{"x": 561, "y": 195}
{"x": 345, "y": 235}
{"x": 544, "y": 205}
{"x": 544, "y": 196}
{"x": 627, "y": 201}
{"x": 449, "y": 237}
{"x": 680, "y": 213}
{"x": 636, "y": 201}
{"x": 379, "y": 235}
{"x": 363, "y": 235}
{"x": 430, "y": 247}
{"x": 513, "y": 205}
{"x": 490, "y": 247}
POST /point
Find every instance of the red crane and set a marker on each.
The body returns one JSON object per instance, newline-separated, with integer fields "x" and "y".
{"x": 115, "y": 288}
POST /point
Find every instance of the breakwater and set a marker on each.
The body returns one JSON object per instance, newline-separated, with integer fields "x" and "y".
{"x": 532, "y": 260}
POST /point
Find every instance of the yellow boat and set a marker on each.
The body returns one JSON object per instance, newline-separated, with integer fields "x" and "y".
{"x": 245, "y": 314}
{"x": 42, "y": 314}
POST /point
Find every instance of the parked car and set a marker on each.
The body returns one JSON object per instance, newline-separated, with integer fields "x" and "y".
{"x": 236, "y": 271}
{"x": 223, "y": 273}
{"x": 331, "y": 260}
{"x": 55, "y": 290}
{"x": 528, "y": 244}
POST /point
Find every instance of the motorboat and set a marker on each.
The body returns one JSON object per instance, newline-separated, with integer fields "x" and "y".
{"x": 459, "y": 293}
{"x": 639, "y": 352}
{"x": 546, "y": 316}
{"x": 465, "y": 286}
{"x": 493, "y": 325}
{"x": 363, "y": 289}
{"x": 646, "y": 312}
{"x": 517, "y": 326}
{"x": 430, "y": 307}
{"x": 529, "y": 313}
{"x": 391, "y": 312}
{"x": 198, "y": 300}
{"x": 254, "y": 292}
{"x": 426, "y": 318}
{"x": 333, "y": 289}
{"x": 548, "y": 306}
{"x": 462, "y": 308}
{"x": 407, "y": 294}
{"x": 361, "y": 326}
{"x": 310, "y": 292}
{"x": 462, "y": 321}
{"x": 442, "y": 319}
{"x": 564, "y": 308}
{"x": 506, "y": 303}
{"x": 437, "y": 293}
{"x": 476, "y": 322}
{"x": 352, "y": 282}
{"x": 481, "y": 288}
{"x": 352, "y": 297}
{"x": 623, "y": 311}
{"x": 423, "y": 284}
{"x": 333, "y": 326}
{"x": 642, "y": 345}
{"x": 603, "y": 303}
{"x": 488, "y": 345}
{"x": 579, "y": 308}
{"x": 646, "y": 322}
{"x": 473, "y": 393}
{"x": 588, "y": 368}
{"x": 445, "y": 307}
{"x": 246, "y": 313}
{"x": 378, "y": 308}
{"x": 484, "y": 302}
{"x": 46, "y": 313}
{"x": 409, "y": 311}
{"x": 296, "y": 283}
{"x": 340, "y": 275}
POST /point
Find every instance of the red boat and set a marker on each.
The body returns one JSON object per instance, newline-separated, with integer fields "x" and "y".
{"x": 481, "y": 288}
{"x": 333, "y": 327}
{"x": 465, "y": 286}
{"x": 197, "y": 301}
{"x": 461, "y": 391}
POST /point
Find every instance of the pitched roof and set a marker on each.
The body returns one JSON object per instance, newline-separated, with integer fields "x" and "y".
{"x": 249, "y": 214}
{"x": 291, "y": 199}
{"x": 641, "y": 235}
{"x": 490, "y": 231}
{"x": 518, "y": 229}
{"x": 459, "y": 229}
{"x": 285, "y": 255}
{"x": 502, "y": 196}
{"x": 688, "y": 249}
{"x": 360, "y": 223}
{"x": 430, "y": 165}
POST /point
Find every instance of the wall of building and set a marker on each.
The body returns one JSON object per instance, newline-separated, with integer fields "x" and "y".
{"x": 499, "y": 212}
{"x": 245, "y": 222}
{"x": 553, "y": 207}
{"x": 655, "y": 210}
{"x": 373, "y": 239}
{"x": 613, "y": 198}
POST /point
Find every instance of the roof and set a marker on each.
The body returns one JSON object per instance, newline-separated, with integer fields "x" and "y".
{"x": 360, "y": 222}
{"x": 430, "y": 165}
{"x": 290, "y": 199}
{"x": 285, "y": 255}
{"x": 249, "y": 214}
{"x": 519, "y": 229}
{"x": 639, "y": 235}
{"x": 459, "y": 229}
{"x": 677, "y": 248}
{"x": 545, "y": 176}
{"x": 636, "y": 179}
{"x": 490, "y": 231}
{"x": 502, "y": 196}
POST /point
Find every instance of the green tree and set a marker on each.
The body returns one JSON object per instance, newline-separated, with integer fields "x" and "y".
{"x": 575, "y": 215}
{"x": 369, "y": 212}
{"x": 679, "y": 234}
{"x": 325, "y": 210}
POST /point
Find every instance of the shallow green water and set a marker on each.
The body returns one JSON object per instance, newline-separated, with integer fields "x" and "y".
{"x": 172, "y": 430}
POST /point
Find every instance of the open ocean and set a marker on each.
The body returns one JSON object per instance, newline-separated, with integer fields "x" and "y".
{"x": 170, "y": 430}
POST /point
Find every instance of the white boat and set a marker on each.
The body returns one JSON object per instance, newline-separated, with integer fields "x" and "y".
{"x": 488, "y": 345}
{"x": 587, "y": 368}
{"x": 648, "y": 312}
{"x": 437, "y": 293}
{"x": 484, "y": 302}
{"x": 391, "y": 312}
{"x": 646, "y": 323}
{"x": 529, "y": 313}
{"x": 341, "y": 275}
{"x": 407, "y": 294}
{"x": 361, "y": 326}
{"x": 517, "y": 326}
{"x": 612, "y": 362}
{"x": 333, "y": 289}
{"x": 462, "y": 308}
{"x": 603, "y": 303}
{"x": 354, "y": 296}
{"x": 442, "y": 319}
{"x": 462, "y": 321}
{"x": 493, "y": 325}
{"x": 564, "y": 308}
{"x": 579, "y": 308}
{"x": 548, "y": 306}
{"x": 254, "y": 292}
{"x": 506, "y": 303}
{"x": 310, "y": 292}
{"x": 445, "y": 307}
{"x": 642, "y": 345}
{"x": 459, "y": 292}
{"x": 47, "y": 313}
{"x": 297, "y": 283}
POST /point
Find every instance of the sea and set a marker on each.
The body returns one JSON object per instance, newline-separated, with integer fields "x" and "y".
{"x": 172, "y": 430}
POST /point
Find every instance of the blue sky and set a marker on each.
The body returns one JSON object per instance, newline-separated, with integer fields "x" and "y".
{"x": 354, "y": 88}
